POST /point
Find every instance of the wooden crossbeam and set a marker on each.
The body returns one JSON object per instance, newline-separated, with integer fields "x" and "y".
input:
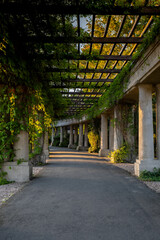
{"x": 82, "y": 93}
{"x": 84, "y": 98}
{"x": 84, "y": 57}
{"x": 88, "y": 80}
{"x": 48, "y": 39}
{"x": 78, "y": 87}
{"x": 83, "y": 70}
{"x": 77, "y": 108}
{"x": 82, "y": 104}
{"x": 54, "y": 8}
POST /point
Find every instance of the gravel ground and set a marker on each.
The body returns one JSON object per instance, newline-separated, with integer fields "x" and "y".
{"x": 130, "y": 168}
{"x": 8, "y": 190}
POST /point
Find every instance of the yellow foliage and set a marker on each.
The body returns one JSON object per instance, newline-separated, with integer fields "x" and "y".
{"x": 3, "y": 46}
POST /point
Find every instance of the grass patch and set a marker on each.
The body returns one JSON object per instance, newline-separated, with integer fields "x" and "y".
{"x": 150, "y": 176}
{"x": 3, "y": 180}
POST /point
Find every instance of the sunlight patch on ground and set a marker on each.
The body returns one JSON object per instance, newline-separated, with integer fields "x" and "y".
{"x": 73, "y": 156}
{"x": 75, "y": 160}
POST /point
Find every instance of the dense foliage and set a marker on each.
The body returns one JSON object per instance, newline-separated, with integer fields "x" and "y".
{"x": 120, "y": 155}
{"x": 94, "y": 141}
{"x": 56, "y": 141}
{"x": 27, "y": 100}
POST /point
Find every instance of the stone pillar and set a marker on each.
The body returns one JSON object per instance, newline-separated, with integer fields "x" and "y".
{"x": 86, "y": 137}
{"x": 158, "y": 120}
{"x": 130, "y": 135}
{"x": 52, "y": 136}
{"x": 45, "y": 151}
{"x": 80, "y": 142}
{"x": 146, "y": 147}
{"x": 23, "y": 171}
{"x": 65, "y": 132}
{"x": 41, "y": 138}
{"x": 118, "y": 136}
{"x": 111, "y": 133}
{"x": 104, "y": 135}
{"x": 71, "y": 137}
{"x": 57, "y": 131}
{"x": 61, "y": 135}
{"x": 75, "y": 134}
{"x": 21, "y": 146}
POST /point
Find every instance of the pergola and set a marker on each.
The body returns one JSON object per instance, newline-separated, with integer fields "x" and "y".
{"x": 31, "y": 24}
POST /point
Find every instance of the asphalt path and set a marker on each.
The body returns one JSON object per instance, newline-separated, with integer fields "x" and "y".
{"x": 78, "y": 196}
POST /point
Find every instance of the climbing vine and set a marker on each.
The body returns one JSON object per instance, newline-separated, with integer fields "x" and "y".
{"x": 27, "y": 100}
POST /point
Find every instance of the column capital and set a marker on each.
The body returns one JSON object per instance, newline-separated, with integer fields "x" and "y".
{"x": 147, "y": 85}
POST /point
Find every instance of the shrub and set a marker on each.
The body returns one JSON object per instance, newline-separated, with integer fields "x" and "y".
{"x": 119, "y": 155}
{"x": 65, "y": 142}
{"x": 3, "y": 180}
{"x": 94, "y": 141}
{"x": 56, "y": 141}
{"x": 150, "y": 176}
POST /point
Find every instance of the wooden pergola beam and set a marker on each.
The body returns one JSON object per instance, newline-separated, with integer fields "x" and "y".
{"x": 82, "y": 104}
{"x": 88, "y": 80}
{"x": 82, "y": 93}
{"x": 48, "y": 39}
{"x": 54, "y": 8}
{"x": 82, "y": 98}
{"x": 83, "y": 70}
{"x": 84, "y": 57}
{"x": 78, "y": 87}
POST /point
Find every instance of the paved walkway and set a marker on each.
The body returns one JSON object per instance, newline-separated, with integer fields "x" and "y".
{"x": 79, "y": 197}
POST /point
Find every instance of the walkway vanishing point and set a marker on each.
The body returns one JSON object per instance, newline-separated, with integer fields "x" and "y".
{"x": 78, "y": 196}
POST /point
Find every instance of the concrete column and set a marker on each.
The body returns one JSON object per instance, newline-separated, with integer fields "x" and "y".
{"x": 130, "y": 135}
{"x": 104, "y": 135}
{"x": 146, "y": 146}
{"x": 86, "y": 136}
{"x": 71, "y": 137}
{"x": 65, "y": 132}
{"x": 21, "y": 146}
{"x": 52, "y": 136}
{"x": 57, "y": 131}
{"x": 158, "y": 119}
{"x": 111, "y": 133}
{"x": 45, "y": 151}
{"x": 118, "y": 137}
{"x": 23, "y": 171}
{"x": 80, "y": 142}
{"x": 41, "y": 138}
{"x": 75, "y": 134}
{"x": 61, "y": 135}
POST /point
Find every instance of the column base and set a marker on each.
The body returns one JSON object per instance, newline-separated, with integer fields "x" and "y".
{"x": 17, "y": 173}
{"x": 103, "y": 152}
{"x": 145, "y": 164}
{"x": 72, "y": 146}
{"x": 44, "y": 156}
{"x": 81, "y": 148}
{"x": 85, "y": 148}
